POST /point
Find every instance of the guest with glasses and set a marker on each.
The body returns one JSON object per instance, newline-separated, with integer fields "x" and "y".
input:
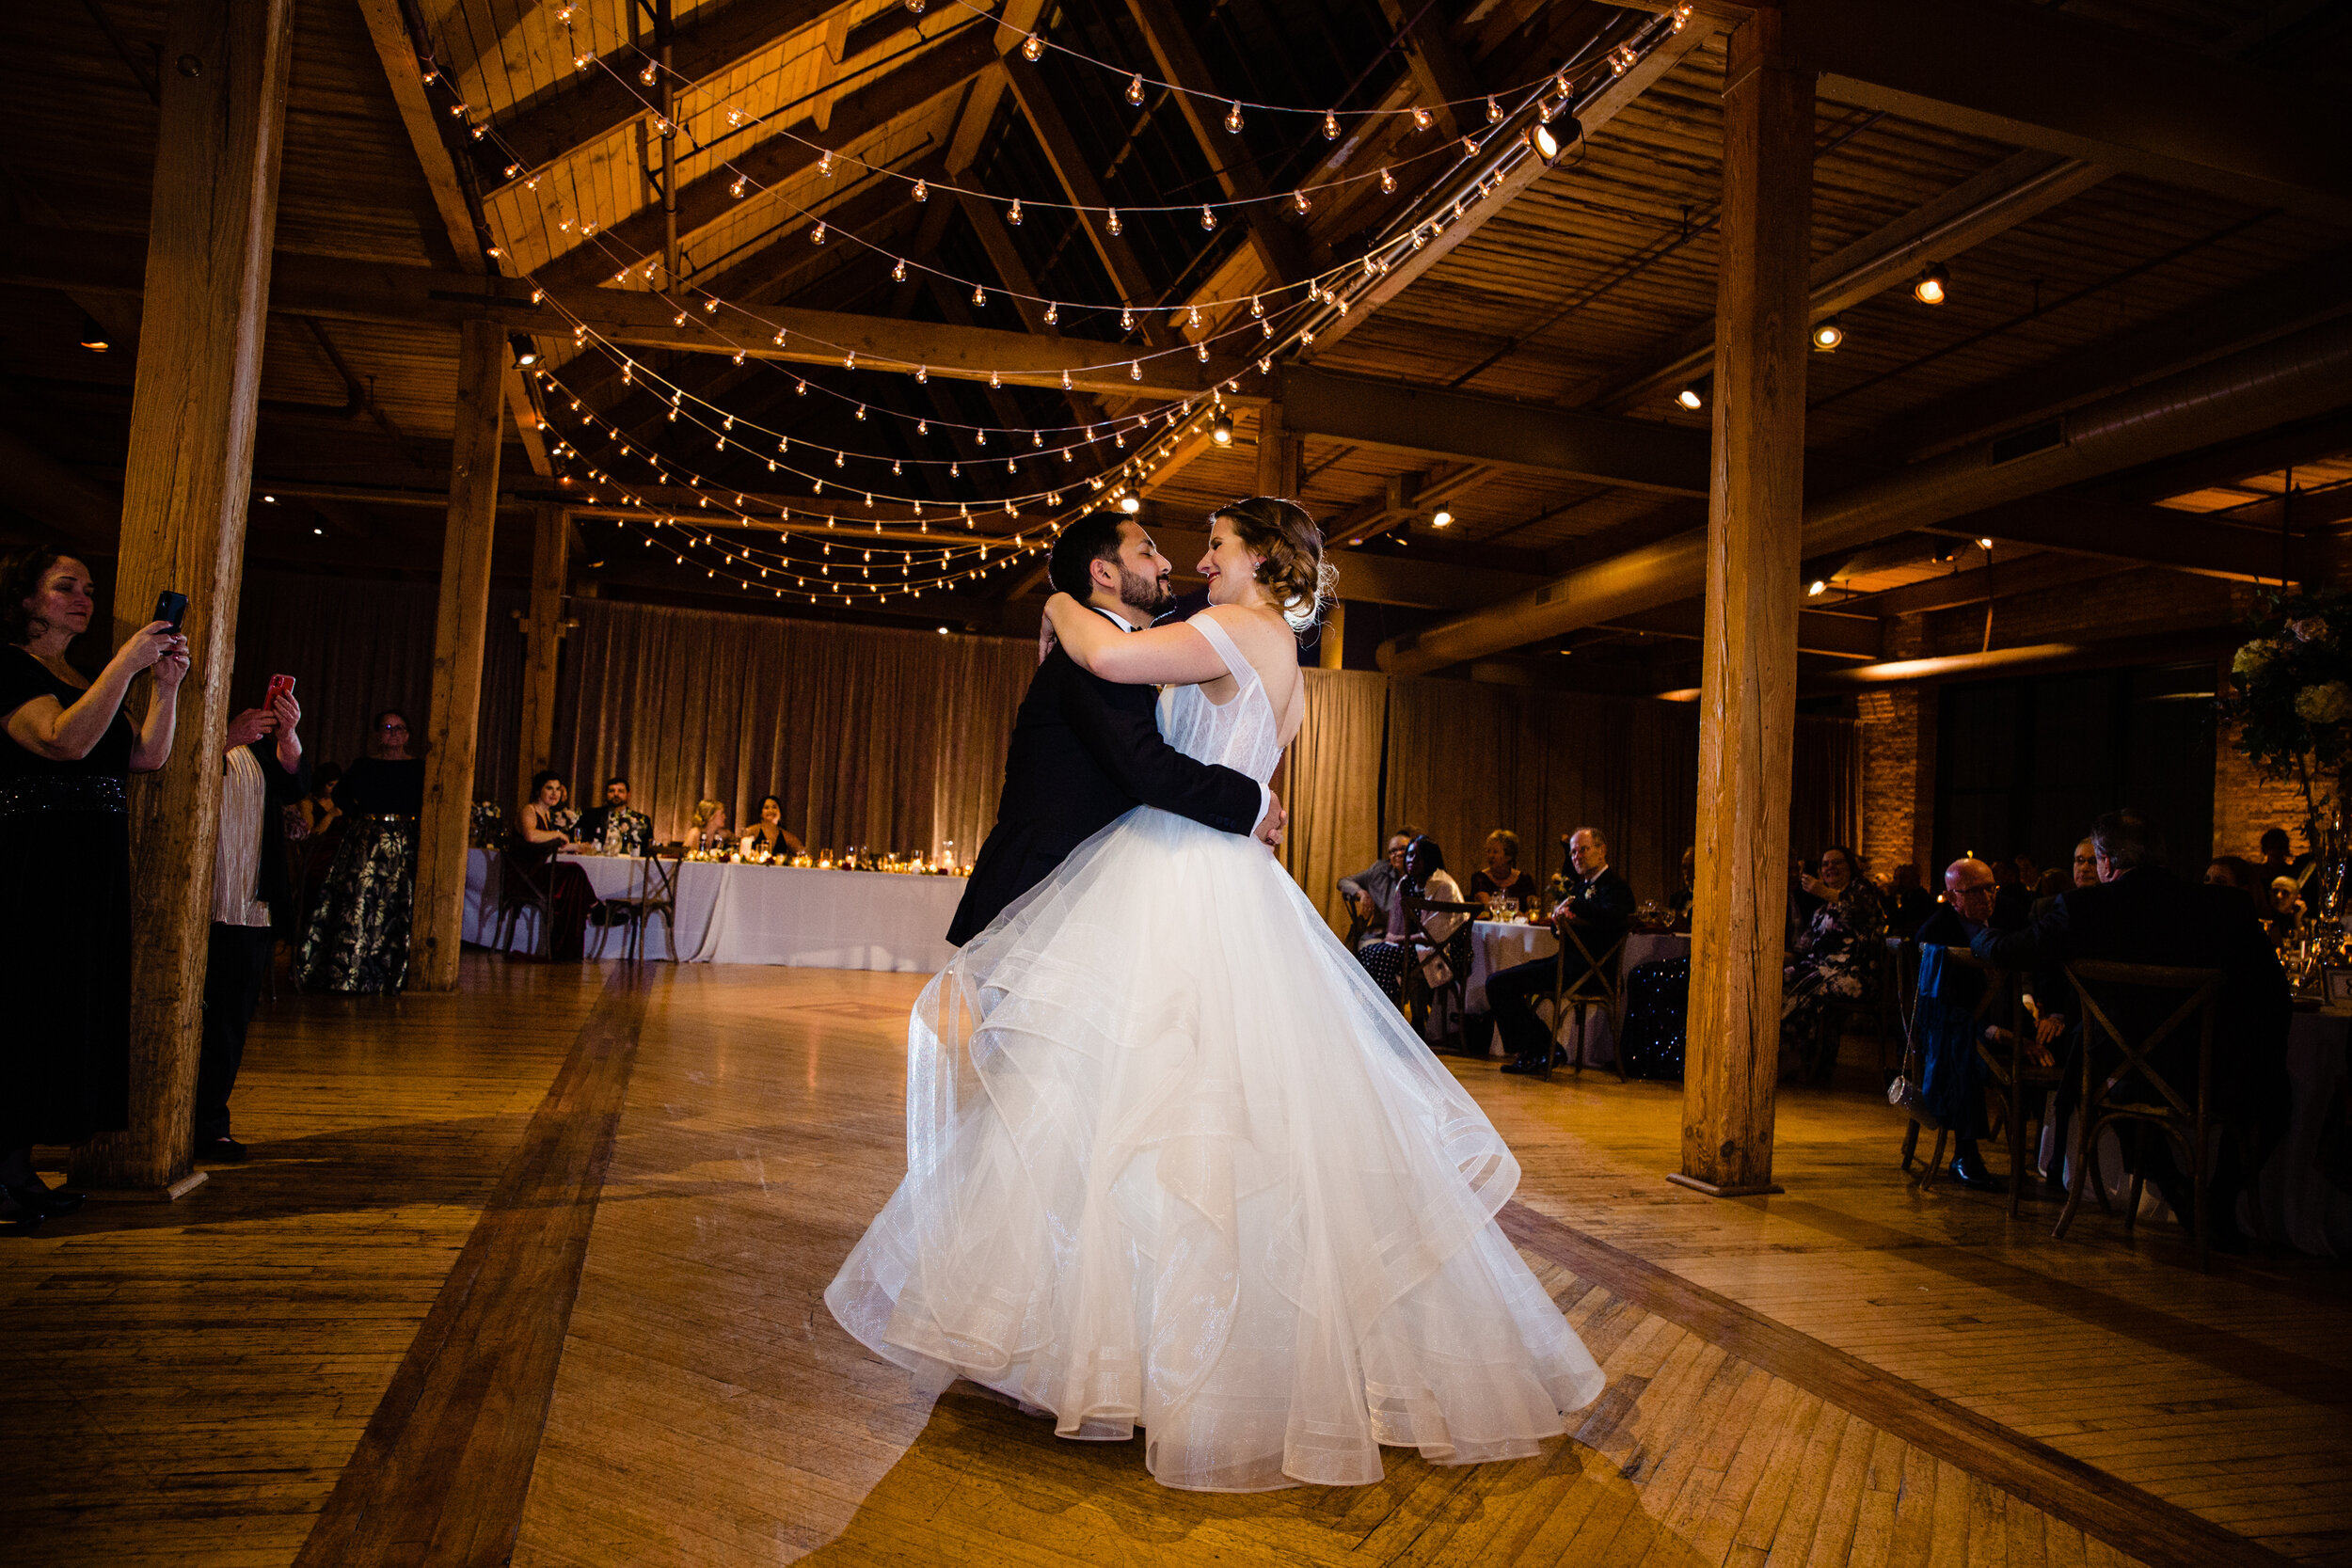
{"x": 358, "y": 939}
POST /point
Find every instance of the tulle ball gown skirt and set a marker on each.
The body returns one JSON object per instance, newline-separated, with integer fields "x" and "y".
{"x": 1174, "y": 1162}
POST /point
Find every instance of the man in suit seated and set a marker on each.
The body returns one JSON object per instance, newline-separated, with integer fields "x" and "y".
{"x": 2141, "y": 913}
{"x": 1597, "y": 907}
{"x": 613, "y": 825}
{"x": 1367, "y": 892}
{"x": 1951, "y": 1078}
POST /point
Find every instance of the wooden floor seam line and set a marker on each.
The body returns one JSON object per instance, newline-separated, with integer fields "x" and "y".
{"x": 2159, "y": 1533}
{"x": 442, "y": 1471}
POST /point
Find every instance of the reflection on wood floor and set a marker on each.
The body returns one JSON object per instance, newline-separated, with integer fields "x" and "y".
{"x": 1851, "y": 1372}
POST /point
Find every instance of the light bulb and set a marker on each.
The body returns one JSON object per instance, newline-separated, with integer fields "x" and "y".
{"x": 1300, "y": 199}
{"x": 1233, "y": 117}
{"x": 980, "y": 296}
{"x": 1032, "y": 48}
{"x": 898, "y": 273}
{"x": 1421, "y": 119}
{"x": 816, "y": 235}
{"x": 922, "y": 190}
{"x": 1112, "y": 222}
{"x": 1815, "y": 588}
{"x": 1443, "y": 517}
{"x": 1494, "y": 111}
{"x": 1135, "y": 90}
{"x": 1388, "y": 182}
{"x": 1827, "y": 335}
{"x": 1934, "y": 285}
{"x": 1331, "y": 126}
{"x": 1053, "y": 314}
{"x": 1134, "y": 368}
{"x": 1208, "y": 219}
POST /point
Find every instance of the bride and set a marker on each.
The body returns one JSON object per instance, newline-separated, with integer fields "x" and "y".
{"x": 1174, "y": 1162}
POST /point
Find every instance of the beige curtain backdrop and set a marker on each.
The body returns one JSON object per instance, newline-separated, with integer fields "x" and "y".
{"x": 1466, "y": 758}
{"x": 894, "y": 740}
{"x": 1331, "y": 785}
{"x": 355, "y": 647}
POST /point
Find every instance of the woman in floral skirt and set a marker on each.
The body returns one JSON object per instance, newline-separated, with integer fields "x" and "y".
{"x": 358, "y": 935}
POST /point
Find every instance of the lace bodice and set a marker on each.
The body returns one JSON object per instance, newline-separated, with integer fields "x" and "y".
{"x": 1243, "y": 735}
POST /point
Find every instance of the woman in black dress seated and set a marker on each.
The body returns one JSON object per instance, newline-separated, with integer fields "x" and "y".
{"x": 770, "y": 834}
{"x": 65, "y": 866}
{"x": 531, "y": 851}
{"x": 358, "y": 939}
{"x": 1501, "y": 873}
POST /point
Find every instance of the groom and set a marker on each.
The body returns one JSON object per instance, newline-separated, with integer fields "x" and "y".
{"x": 1085, "y": 750}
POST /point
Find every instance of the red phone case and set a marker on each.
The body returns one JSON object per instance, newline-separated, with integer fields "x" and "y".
{"x": 280, "y": 686}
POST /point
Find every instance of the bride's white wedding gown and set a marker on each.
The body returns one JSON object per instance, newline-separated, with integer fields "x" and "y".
{"x": 1174, "y": 1162}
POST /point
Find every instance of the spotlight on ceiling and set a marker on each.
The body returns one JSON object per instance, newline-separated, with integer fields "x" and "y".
{"x": 1545, "y": 143}
{"x": 1221, "y": 430}
{"x": 1827, "y": 335}
{"x": 1693, "y": 397}
{"x": 1934, "y": 285}
{"x": 1984, "y": 543}
{"x": 943, "y": 631}
{"x": 1131, "y": 502}
{"x": 1443, "y": 517}
{"x": 93, "y": 335}
{"x": 1815, "y": 588}
{"x": 525, "y": 351}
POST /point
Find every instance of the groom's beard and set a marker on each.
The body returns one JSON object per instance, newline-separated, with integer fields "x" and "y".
{"x": 1151, "y": 596}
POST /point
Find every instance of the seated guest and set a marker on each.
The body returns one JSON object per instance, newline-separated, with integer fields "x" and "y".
{"x": 1801, "y": 907}
{"x": 708, "y": 828}
{"x": 2277, "y": 859}
{"x": 1599, "y": 907}
{"x": 1502, "y": 875}
{"x": 1952, "y": 1081}
{"x": 614, "y": 827}
{"x": 2141, "y": 913}
{"x": 770, "y": 834}
{"x": 1398, "y": 945}
{"x": 2029, "y": 873}
{"x": 1367, "y": 892}
{"x": 1909, "y": 905}
{"x": 532, "y": 847}
{"x": 2240, "y": 873}
{"x": 2286, "y": 908}
{"x": 1836, "y": 954}
{"x": 1679, "y": 899}
{"x": 357, "y": 938}
{"x": 2053, "y": 882}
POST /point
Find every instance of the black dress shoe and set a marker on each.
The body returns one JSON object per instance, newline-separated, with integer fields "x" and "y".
{"x": 1524, "y": 1064}
{"x": 219, "y": 1151}
{"x": 1970, "y": 1172}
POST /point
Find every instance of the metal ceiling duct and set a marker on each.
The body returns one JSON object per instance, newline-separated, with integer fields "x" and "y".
{"x": 2288, "y": 378}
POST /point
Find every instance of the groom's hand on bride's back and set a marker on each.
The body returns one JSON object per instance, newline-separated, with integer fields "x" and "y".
{"x": 1269, "y": 829}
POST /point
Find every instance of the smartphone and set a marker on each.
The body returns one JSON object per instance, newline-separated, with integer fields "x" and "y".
{"x": 280, "y": 686}
{"x": 171, "y": 607}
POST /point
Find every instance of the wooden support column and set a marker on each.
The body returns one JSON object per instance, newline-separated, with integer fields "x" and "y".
{"x": 543, "y": 639}
{"x": 1747, "y": 701}
{"x": 211, "y": 226}
{"x": 457, "y": 640}
{"x": 1278, "y": 454}
{"x": 1332, "y": 649}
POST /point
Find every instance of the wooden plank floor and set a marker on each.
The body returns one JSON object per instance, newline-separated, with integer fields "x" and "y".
{"x": 1791, "y": 1378}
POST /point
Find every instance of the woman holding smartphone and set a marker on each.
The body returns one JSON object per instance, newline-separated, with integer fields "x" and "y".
{"x": 65, "y": 864}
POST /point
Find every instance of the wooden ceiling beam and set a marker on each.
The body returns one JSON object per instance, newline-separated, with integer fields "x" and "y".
{"x": 1833, "y": 633}
{"x": 2011, "y": 192}
{"x": 607, "y": 97}
{"x": 1280, "y": 252}
{"x": 1594, "y": 114}
{"x": 2032, "y": 77}
{"x": 388, "y": 30}
{"x": 2010, "y": 575}
{"x": 1080, "y": 183}
{"x": 2149, "y": 535}
{"x": 928, "y": 75}
{"x": 1442, "y": 423}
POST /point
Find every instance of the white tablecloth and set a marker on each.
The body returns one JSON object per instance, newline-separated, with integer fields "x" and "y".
{"x": 1499, "y": 944}
{"x": 766, "y": 914}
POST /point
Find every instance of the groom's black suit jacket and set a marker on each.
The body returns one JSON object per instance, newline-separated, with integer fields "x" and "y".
{"x": 1085, "y": 751}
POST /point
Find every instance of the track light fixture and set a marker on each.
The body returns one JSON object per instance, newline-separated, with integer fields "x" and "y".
{"x": 1693, "y": 396}
{"x": 1934, "y": 286}
{"x": 1828, "y": 334}
{"x": 93, "y": 336}
{"x": 1221, "y": 430}
{"x": 525, "y": 351}
{"x": 1443, "y": 517}
{"x": 1815, "y": 588}
{"x": 1548, "y": 140}
{"x": 1131, "y": 503}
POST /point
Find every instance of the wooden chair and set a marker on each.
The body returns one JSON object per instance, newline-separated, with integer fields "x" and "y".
{"x": 2019, "y": 1081}
{"x": 1455, "y": 992}
{"x": 1601, "y": 984}
{"x": 1999, "y": 993}
{"x": 1821, "y": 1064}
{"x": 510, "y": 889}
{"x": 2148, "y": 1100}
{"x": 659, "y": 897}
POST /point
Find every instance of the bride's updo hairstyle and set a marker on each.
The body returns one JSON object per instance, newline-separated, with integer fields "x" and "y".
{"x": 1294, "y": 570}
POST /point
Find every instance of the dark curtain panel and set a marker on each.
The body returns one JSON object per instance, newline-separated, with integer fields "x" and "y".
{"x": 889, "y": 740}
{"x": 1825, "y": 795}
{"x": 355, "y": 647}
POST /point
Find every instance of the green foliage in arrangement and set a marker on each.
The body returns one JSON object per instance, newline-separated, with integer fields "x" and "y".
{"x": 2291, "y": 693}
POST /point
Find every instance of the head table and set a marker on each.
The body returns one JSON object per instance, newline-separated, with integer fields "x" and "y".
{"x": 797, "y": 916}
